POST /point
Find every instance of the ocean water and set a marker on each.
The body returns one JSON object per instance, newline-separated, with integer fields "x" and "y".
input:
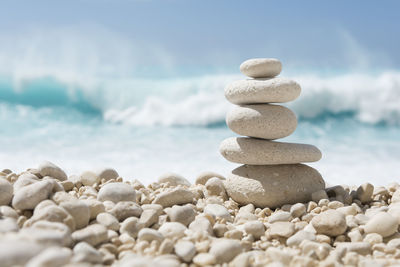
{"x": 145, "y": 125}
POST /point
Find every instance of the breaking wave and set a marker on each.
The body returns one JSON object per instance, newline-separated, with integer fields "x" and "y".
{"x": 199, "y": 101}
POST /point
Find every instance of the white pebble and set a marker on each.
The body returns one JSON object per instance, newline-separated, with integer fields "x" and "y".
{"x": 300, "y": 236}
{"x": 93, "y": 234}
{"x": 183, "y": 214}
{"x": 89, "y": 178}
{"x": 225, "y": 250}
{"x": 149, "y": 235}
{"x": 126, "y": 209}
{"x": 51, "y": 257}
{"x": 130, "y": 226}
{"x": 218, "y": 211}
{"x": 203, "y": 177}
{"x": 175, "y": 196}
{"x": 29, "y": 196}
{"x": 108, "y": 220}
{"x": 281, "y": 229}
{"x": 280, "y": 216}
{"x": 255, "y": 228}
{"x": 47, "y": 168}
{"x": 107, "y": 174}
{"x": 117, "y": 192}
{"x": 79, "y": 211}
{"x": 185, "y": 250}
{"x": 330, "y": 222}
{"x": 6, "y": 192}
{"x": 172, "y": 230}
{"x": 173, "y": 179}
{"x": 297, "y": 210}
{"x": 382, "y": 223}
{"x": 83, "y": 252}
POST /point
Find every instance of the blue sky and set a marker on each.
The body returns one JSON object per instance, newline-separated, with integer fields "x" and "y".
{"x": 305, "y": 34}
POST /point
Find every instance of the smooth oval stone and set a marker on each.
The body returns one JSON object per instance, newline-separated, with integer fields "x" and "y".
{"x": 273, "y": 186}
{"x": 253, "y": 91}
{"x": 6, "y": 192}
{"x": 48, "y": 168}
{"x": 175, "y": 196}
{"x": 382, "y": 223}
{"x": 107, "y": 174}
{"x": 29, "y": 196}
{"x": 262, "y": 121}
{"x": 17, "y": 252}
{"x": 254, "y": 151}
{"x": 330, "y": 223}
{"x": 173, "y": 179}
{"x": 203, "y": 177}
{"x": 261, "y": 67}
{"x": 116, "y": 192}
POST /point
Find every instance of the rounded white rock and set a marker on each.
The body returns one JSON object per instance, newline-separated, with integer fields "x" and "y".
{"x": 172, "y": 230}
{"x": 330, "y": 223}
{"x": 89, "y": 178}
{"x": 116, "y": 192}
{"x": 262, "y": 121}
{"x": 6, "y": 192}
{"x": 48, "y": 168}
{"x": 185, "y": 250}
{"x": 182, "y": 214}
{"x": 79, "y": 210}
{"x": 264, "y": 152}
{"x": 382, "y": 223}
{"x": 52, "y": 256}
{"x": 203, "y": 177}
{"x": 218, "y": 211}
{"x": 258, "y": 91}
{"x": 273, "y": 186}
{"x": 29, "y": 196}
{"x": 149, "y": 235}
{"x": 93, "y": 234}
{"x": 108, "y": 220}
{"x": 173, "y": 179}
{"x": 18, "y": 252}
{"x": 261, "y": 67}
{"x": 174, "y": 196}
{"x": 225, "y": 250}
{"x": 107, "y": 173}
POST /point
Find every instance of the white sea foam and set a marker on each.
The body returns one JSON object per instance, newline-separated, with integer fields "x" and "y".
{"x": 371, "y": 98}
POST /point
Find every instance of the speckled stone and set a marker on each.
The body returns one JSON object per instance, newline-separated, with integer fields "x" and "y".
{"x": 264, "y": 152}
{"x": 262, "y": 121}
{"x": 257, "y": 91}
{"x": 272, "y": 186}
{"x": 261, "y": 67}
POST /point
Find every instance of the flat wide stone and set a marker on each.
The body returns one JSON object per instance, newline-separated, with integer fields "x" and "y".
{"x": 254, "y": 151}
{"x": 273, "y": 186}
{"x": 261, "y": 67}
{"x": 262, "y": 121}
{"x": 257, "y": 91}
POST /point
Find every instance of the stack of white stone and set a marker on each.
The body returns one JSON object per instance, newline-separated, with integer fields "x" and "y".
{"x": 273, "y": 174}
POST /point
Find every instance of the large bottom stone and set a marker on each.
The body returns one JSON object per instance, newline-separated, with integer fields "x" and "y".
{"x": 273, "y": 186}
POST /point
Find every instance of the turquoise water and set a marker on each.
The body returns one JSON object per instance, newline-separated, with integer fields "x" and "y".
{"x": 144, "y": 126}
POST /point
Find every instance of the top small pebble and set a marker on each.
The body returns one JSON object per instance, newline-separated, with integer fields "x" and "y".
{"x": 261, "y": 67}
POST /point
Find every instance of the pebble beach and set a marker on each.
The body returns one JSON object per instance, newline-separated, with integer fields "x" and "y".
{"x": 274, "y": 210}
{"x": 49, "y": 218}
{"x": 199, "y": 133}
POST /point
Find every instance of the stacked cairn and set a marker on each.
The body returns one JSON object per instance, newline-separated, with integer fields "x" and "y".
{"x": 272, "y": 174}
